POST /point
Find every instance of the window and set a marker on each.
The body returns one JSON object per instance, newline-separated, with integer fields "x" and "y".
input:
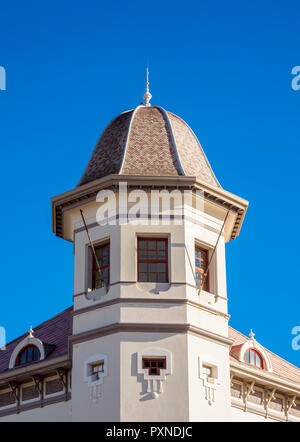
{"x": 153, "y": 260}
{"x": 252, "y": 357}
{"x": 207, "y": 371}
{"x": 154, "y": 365}
{"x": 98, "y": 368}
{"x": 29, "y": 354}
{"x": 201, "y": 262}
{"x": 102, "y": 253}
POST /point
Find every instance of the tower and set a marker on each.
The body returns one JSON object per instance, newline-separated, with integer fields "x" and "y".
{"x": 150, "y": 330}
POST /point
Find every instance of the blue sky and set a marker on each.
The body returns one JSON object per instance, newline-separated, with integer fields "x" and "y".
{"x": 224, "y": 67}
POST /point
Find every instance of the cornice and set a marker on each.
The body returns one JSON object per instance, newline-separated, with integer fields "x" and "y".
{"x": 266, "y": 378}
{"x": 40, "y": 368}
{"x": 88, "y": 192}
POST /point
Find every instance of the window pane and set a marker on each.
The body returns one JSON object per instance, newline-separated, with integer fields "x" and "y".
{"x": 142, "y": 245}
{"x": 252, "y": 357}
{"x": 161, "y": 255}
{"x": 248, "y": 357}
{"x": 161, "y": 267}
{"x": 151, "y": 245}
{"x": 143, "y": 277}
{"x": 23, "y": 357}
{"x": 143, "y": 255}
{"x": 161, "y": 245}
{"x": 152, "y": 255}
{"x": 35, "y": 354}
{"x": 103, "y": 261}
{"x": 143, "y": 267}
{"x": 257, "y": 360}
{"x": 161, "y": 277}
{"x": 152, "y": 267}
{"x": 105, "y": 251}
{"x": 152, "y": 277}
{"x": 29, "y": 354}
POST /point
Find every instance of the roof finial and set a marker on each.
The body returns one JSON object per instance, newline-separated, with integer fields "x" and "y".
{"x": 251, "y": 334}
{"x": 30, "y": 332}
{"x": 147, "y": 96}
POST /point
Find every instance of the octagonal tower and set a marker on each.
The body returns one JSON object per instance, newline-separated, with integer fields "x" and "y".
{"x": 149, "y": 345}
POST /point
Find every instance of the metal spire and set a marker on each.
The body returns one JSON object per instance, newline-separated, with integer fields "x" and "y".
{"x": 147, "y": 96}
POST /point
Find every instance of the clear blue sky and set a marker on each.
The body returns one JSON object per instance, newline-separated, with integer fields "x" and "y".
{"x": 224, "y": 67}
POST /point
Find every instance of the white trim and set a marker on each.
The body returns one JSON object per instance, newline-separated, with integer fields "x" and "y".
{"x": 154, "y": 383}
{"x": 167, "y": 119}
{"x": 94, "y": 381}
{"x": 24, "y": 343}
{"x": 210, "y": 384}
{"x": 253, "y": 344}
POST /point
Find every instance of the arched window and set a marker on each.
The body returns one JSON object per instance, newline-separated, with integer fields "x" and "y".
{"x": 28, "y": 354}
{"x": 252, "y": 357}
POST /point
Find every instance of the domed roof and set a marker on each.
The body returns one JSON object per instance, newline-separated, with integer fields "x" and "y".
{"x": 148, "y": 141}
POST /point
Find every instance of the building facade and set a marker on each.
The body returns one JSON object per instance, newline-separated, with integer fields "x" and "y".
{"x": 147, "y": 337}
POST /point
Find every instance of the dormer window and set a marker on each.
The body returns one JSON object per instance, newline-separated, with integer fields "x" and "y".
{"x": 252, "y": 357}
{"x": 27, "y": 355}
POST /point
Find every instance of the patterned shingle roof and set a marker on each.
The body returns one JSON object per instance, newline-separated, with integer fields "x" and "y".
{"x": 55, "y": 332}
{"x": 280, "y": 367}
{"x": 148, "y": 141}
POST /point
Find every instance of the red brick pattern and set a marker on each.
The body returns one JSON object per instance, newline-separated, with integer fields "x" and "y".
{"x": 192, "y": 157}
{"x": 144, "y": 142}
{"x": 108, "y": 153}
{"x": 150, "y": 150}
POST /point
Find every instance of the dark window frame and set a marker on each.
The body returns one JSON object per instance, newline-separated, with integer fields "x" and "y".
{"x": 25, "y": 350}
{"x": 154, "y": 365}
{"x": 256, "y": 353}
{"x": 153, "y": 261}
{"x": 101, "y": 246}
{"x": 200, "y": 270}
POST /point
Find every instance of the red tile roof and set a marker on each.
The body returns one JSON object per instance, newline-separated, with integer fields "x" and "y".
{"x": 280, "y": 367}
{"x": 55, "y": 332}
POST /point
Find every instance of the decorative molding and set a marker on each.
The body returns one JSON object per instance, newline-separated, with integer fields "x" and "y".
{"x": 174, "y": 301}
{"x": 148, "y": 328}
{"x": 83, "y": 194}
{"x": 154, "y": 383}
{"x": 29, "y": 340}
{"x": 252, "y": 343}
{"x": 39, "y": 367}
{"x": 95, "y": 380}
{"x": 209, "y": 383}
